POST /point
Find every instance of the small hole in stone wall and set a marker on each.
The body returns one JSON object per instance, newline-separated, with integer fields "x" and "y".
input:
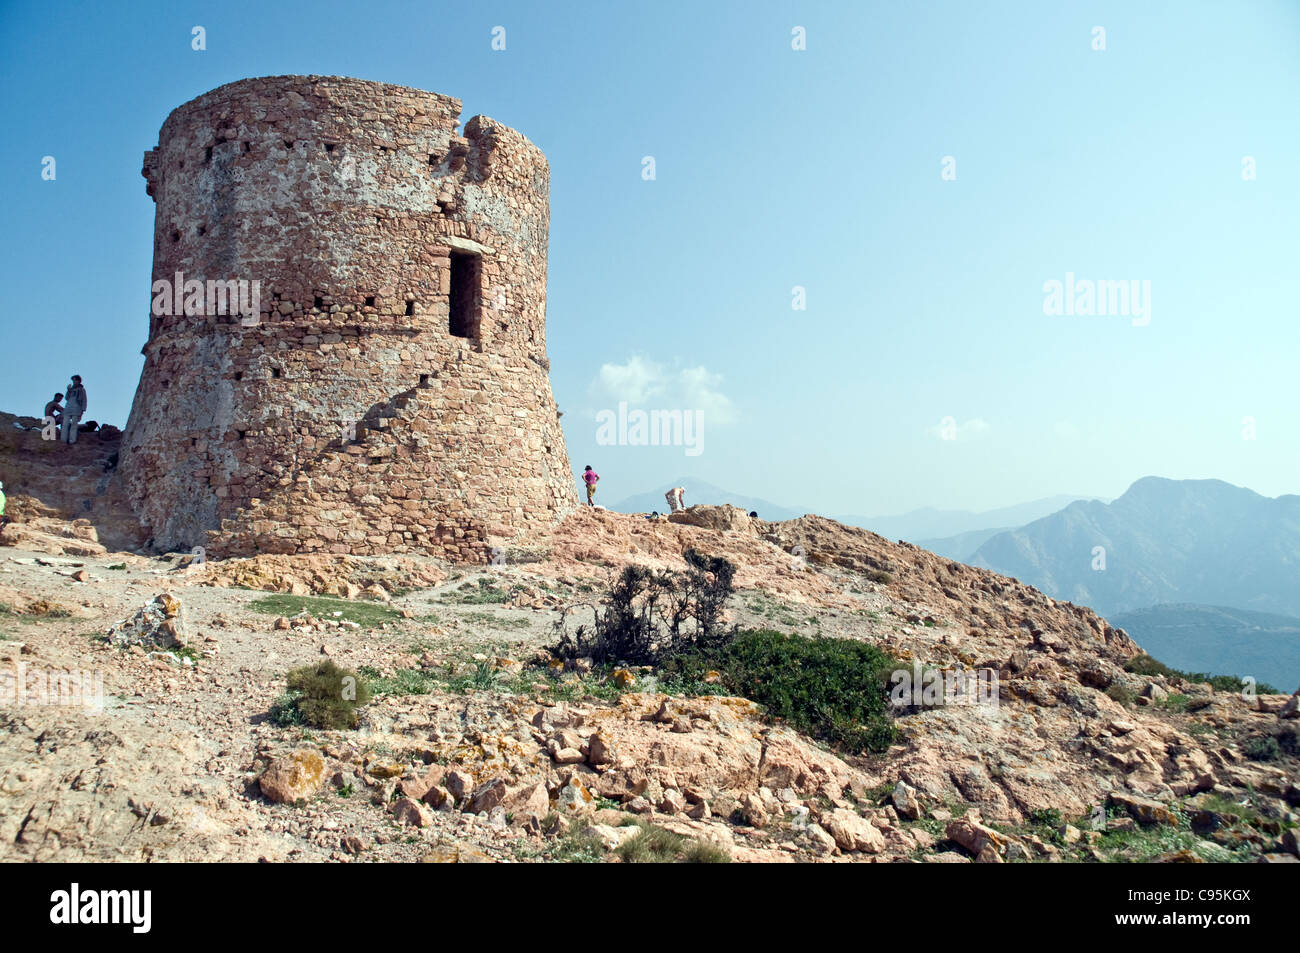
{"x": 424, "y": 379}
{"x": 248, "y": 147}
{"x": 166, "y": 384}
{"x": 288, "y": 143}
{"x": 433, "y": 158}
{"x": 194, "y": 441}
{"x": 375, "y": 460}
{"x": 176, "y": 236}
{"x": 275, "y": 372}
{"x": 202, "y": 230}
{"x": 370, "y": 301}
{"x": 319, "y": 302}
{"x": 241, "y": 434}
{"x": 329, "y": 147}
{"x": 207, "y": 154}
{"x": 239, "y": 375}
{"x": 410, "y": 309}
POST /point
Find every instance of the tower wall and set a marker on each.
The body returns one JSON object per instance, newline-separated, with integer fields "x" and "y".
{"x": 342, "y": 414}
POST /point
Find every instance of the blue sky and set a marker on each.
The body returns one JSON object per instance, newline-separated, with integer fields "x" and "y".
{"x": 775, "y": 168}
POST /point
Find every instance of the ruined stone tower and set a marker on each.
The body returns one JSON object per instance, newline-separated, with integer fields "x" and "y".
{"x": 387, "y": 389}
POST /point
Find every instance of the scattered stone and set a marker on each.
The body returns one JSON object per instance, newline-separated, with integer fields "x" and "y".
{"x": 158, "y": 625}
{"x": 1144, "y": 810}
{"x": 411, "y": 812}
{"x": 852, "y": 832}
{"x": 906, "y": 802}
{"x": 293, "y": 777}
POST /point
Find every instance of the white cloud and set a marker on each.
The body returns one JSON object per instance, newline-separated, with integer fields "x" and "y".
{"x": 949, "y": 429}
{"x": 649, "y": 385}
{"x": 635, "y": 382}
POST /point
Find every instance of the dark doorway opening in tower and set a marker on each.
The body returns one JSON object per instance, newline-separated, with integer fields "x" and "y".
{"x": 466, "y": 283}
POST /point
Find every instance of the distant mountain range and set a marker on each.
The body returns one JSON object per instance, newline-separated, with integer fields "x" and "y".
{"x": 1163, "y": 541}
{"x": 1219, "y": 640}
{"x": 962, "y": 546}
{"x": 946, "y": 527}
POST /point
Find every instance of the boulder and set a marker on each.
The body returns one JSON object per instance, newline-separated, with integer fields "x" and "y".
{"x": 906, "y": 802}
{"x": 158, "y": 625}
{"x": 487, "y": 797}
{"x": 293, "y": 777}
{"x": 411, "y": 812}
{"x": 853, "y": 832}
{"x": 1144, "y": 810}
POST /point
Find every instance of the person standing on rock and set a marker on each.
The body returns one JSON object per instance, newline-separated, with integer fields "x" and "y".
{"x": 76, "y": 406}
{"x": 674, "y": 498}
{"x": 591, "y": 478}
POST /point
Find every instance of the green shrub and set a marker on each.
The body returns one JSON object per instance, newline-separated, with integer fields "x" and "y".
{"x": 1121, "y": 693}
{"x": 1150, "y": 667}
{"x": 880, "y": 576}
{"x": 1263, "y": 749}
{"x": 835, "y": 690}
{"x": 322, "y": 696}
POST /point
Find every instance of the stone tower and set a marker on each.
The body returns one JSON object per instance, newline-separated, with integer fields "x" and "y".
{"x": 385, "y": 387}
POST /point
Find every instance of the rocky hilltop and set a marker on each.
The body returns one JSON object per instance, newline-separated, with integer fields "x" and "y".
{"x": 477, "y": 745}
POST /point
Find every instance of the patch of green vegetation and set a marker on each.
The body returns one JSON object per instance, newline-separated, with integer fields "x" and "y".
{"x": 321, "y": 695}
{"x": 284, "y": 711}
{"x": 404, "y": 681}
{"x": 1263, "y": 749}
{"x": 366, "y": 614}
{"x": 481, "y": 678}
{"x": 496, "y": 621}
{"x": 690, "y": 684}
{"x": 835, "y": 690}
{"x": 578, "y": 848}
{"x": 572, "y": 687}
{"x": 1150, "y": 667}
{"x": 1222, "y": 804}
{"x": 1121, "y": 693}
{"x": 117, "y": 566}
{"x": 1175, "y": 702}
{"x": 772, "y": 611}
{"x": 485, "y": 592}
{"x": 658, "y": 845}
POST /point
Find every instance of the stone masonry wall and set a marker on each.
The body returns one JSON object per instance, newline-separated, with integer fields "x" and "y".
{"x": 345, "y": 416}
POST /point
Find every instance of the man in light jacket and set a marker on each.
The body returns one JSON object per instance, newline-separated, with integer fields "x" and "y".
{"x": 73, "y": 409}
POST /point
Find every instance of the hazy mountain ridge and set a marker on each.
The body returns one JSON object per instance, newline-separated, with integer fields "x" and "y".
{"x": 931, "y": 523}
{"x": 1164, "y": 541}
